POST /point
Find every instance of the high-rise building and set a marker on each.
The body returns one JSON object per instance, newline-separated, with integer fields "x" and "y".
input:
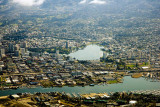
{"x": 2, "y": 52}
{"x": 105, "y": 55}
{"x": 67, "y": 44}
{"x": 24, "y": 45}
{"x": 17, "y": 53}
{"x": 16, "y": 48}
{"x": 23, "y": 51}
{"x": 1, "y": 69}
{"x": 57, "y": 54}
{"x": 11, "y": 47}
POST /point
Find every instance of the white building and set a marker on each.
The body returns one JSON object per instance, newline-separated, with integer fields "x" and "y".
{"x": 2, "y": 52}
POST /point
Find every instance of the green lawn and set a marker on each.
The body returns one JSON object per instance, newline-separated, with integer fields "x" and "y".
{"x": 112, "y": 82}
{"x": 132, "y": 65}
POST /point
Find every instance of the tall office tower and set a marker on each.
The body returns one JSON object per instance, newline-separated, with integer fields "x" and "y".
{"x": 24, "y": 45}
{"x": 11, "y": 47}
{"x": 23, "y": 51}
{"x": 1, "y": 69}
{"x": 104, "y": 55}
{"x": 57, "y": 54}
{"x": 17, "y": 53}
{"x": 67, "y": 44}
{"x": 2, "y": 53}
{"x": 16, "y": 48}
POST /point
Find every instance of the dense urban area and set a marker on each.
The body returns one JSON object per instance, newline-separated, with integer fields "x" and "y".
{"x": 46, "y": 65}
{"x": 36, "y": 43}
{"x": 45, "y": 62}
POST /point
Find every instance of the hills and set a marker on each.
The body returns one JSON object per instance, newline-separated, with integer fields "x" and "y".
{"x": 87, "y": 20}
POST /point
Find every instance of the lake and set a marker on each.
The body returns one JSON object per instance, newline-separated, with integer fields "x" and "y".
{"x": 129, "y": 84}
{"x": 90, "y": 52}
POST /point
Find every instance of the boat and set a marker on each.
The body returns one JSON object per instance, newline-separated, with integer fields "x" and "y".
{"x": 91, "y": 84}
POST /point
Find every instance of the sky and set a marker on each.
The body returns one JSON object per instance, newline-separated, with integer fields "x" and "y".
{"x": 29, "y": 2}
{"x": 97, "y": 2}
{"x": 40, "y": 2}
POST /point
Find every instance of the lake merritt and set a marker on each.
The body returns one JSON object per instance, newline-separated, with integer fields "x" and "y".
{"x": 90, "y": 52}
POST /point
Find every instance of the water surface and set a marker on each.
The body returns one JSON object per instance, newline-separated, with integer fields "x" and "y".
{"x": 90, "y": 52}
{"x": 129, "y": 84}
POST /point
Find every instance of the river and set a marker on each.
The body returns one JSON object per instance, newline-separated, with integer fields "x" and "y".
{"x": 129, "y": 84}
